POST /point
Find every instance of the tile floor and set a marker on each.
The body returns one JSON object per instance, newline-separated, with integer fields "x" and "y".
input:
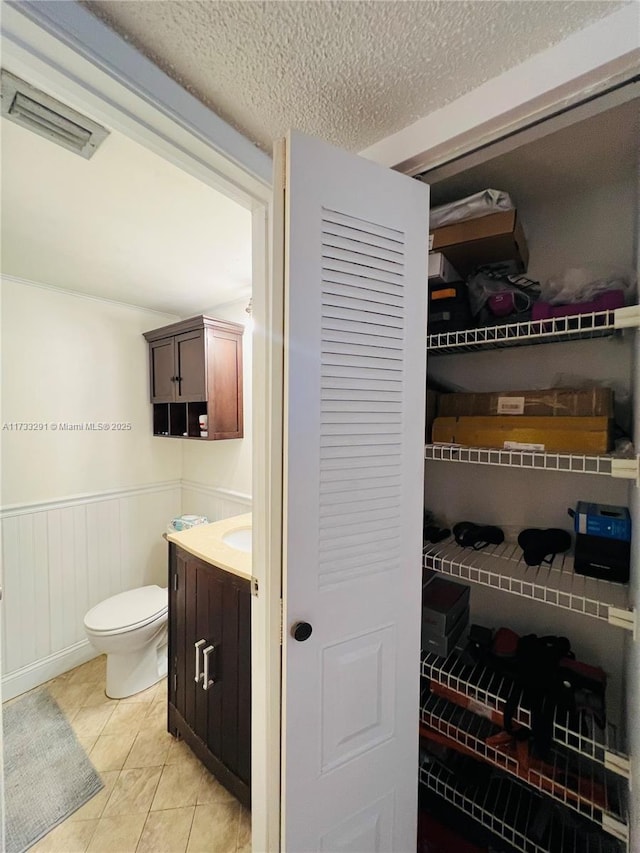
{"x": 157, "y": 796}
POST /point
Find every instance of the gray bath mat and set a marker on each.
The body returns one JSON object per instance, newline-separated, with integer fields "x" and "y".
{"x": 47, "y": 775}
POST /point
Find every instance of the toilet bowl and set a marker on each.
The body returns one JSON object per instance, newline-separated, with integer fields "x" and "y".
{"x": 131, "y": 629}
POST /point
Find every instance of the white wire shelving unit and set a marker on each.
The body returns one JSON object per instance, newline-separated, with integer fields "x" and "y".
{"x": 577, "y": 783}
{"x": 485, "y": 692}
{"x": 537, "y": 460}
{"x": 576, "y": 327}
{"x": 502, "y": 567}
{"x": 514, "y": 813}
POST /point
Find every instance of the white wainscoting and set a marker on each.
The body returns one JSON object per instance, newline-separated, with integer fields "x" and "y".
{"x": 62, "y": 557}
{"x": 215, "y": 503}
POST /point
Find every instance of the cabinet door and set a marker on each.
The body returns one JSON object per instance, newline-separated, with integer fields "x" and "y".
{"x": 190, "y": 367}
{"x": 182, "y": 627}
{"x": 225, "y": 384}
{"x": 161, "y": 357}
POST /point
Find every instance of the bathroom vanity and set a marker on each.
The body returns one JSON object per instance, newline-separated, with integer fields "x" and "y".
{"x": 210, "y": 648}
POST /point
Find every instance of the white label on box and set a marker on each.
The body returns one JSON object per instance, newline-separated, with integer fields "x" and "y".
{"x": 582, "y": 522}
{"x": 521, "y": 445}
{"x": 430, "y": 242}
{"x": 511, "y": 405}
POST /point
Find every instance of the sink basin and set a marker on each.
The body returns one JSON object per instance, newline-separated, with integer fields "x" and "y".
{"x": 240, "y": 539}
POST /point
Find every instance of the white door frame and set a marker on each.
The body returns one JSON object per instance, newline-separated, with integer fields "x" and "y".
{"x": 65, "y": 50}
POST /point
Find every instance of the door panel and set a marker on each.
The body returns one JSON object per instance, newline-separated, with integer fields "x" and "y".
{"x": 163, "y": 387}
{"x": 355, "y": 352}
{"x": 190, "y": 367}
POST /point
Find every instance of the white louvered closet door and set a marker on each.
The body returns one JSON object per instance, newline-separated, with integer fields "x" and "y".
{"x": 355, "y": 349}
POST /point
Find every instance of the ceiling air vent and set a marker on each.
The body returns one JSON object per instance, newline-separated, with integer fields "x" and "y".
{"x": 49, "y": 118}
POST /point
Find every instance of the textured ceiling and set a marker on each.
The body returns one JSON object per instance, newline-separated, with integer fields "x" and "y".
{"x": 350, "y": 72}
{"x": 125, "y": 225}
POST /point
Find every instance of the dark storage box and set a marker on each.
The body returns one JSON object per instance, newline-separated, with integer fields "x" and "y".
{"x": 449, "y": 309}
{"x": 444, "y": 644}
{"x": 442, "y": 603}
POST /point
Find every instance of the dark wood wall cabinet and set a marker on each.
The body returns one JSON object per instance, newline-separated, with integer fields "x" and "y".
{"x": 195, "y": 369}
{"x": 210, "y": 667}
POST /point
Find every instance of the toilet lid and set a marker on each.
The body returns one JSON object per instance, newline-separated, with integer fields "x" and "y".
{"x": 134, "y": 608}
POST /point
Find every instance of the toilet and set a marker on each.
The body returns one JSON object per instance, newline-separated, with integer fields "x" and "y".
{"x": 131, "y": 629}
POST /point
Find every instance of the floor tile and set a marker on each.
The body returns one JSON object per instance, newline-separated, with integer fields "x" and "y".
{"x": 68, "y": 837}
{"x": 150, "y": 749}
{"x": 97, "y": 696}
{"x": 95, "y": 807}
{"x": 166, "y": 831}
{"x": 178, "y": 786}
{"x": 214, "y": 829}
{"x": 180, "y": 753}
{"x": 92, "y": 672}
{"x": 127, "y": 718}
{"x": 91, "y": 721}
{"x": 244, "y": 828}
{"x": 69, "y": 695}
{"x": 133, "y": 792}
{"x": 211, "y": 791}
{"x": 110, "y": 751}
{"x": 87, "y": 742}
{"x": 148, "y": 695}
{"x": 117, "y": 834}
{"x": 156, "y": 718}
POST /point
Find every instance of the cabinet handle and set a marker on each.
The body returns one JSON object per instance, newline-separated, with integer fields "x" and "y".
{"x": 207, "y": 682}
{"x": 198, "y": 646}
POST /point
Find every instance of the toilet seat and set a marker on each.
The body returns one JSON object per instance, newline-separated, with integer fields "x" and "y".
{"x": 128, "y": 610}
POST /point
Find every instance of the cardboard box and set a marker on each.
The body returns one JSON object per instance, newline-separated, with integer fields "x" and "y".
{"x": 430, "y": 414}
{"x": 444, "y": 644}
{"x": 551, "y": 402}
{"x": 490, "y": 239}
{"x": 568, "y": 435}
{"x": 440, "y": 270}
{"x": 442, "y": 603}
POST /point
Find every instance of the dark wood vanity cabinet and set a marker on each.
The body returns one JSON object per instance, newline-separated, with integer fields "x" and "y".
{"x": 210, "y": 667}
{"x": 195, "y": 369}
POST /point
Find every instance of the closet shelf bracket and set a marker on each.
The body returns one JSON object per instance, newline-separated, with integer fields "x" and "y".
{"x": 626, "y": 469}
{"x": 624, "y": 619}
{"x": 627, "y": 318}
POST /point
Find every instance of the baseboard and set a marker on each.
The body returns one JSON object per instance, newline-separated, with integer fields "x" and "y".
{"x": 43, "y": 670}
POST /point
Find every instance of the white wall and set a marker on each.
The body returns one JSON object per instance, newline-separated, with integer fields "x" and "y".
{"x": 224, "y": 465}
{"x": 82, "y": 511}
{"x": 70, "y": 359}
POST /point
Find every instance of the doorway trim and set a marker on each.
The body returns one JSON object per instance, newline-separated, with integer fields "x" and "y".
{"x": 62, "y": 48}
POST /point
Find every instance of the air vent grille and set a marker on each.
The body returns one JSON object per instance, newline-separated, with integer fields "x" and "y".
{"x": 49, "y": 118}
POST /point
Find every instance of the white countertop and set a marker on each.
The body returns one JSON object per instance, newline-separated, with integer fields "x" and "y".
{"x": 205, "y": 541}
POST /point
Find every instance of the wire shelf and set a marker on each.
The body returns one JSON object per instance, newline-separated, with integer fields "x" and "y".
{"x": 502, "y": 567}
{"x": 578, "y": 784}
{"x": 514, "y": 813}
{"x": 573, "y": 463}
{"x": 599, "y": 324}
{"x": 485, "y": 692}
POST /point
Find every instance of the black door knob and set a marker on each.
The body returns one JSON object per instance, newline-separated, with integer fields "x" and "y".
{"x": 301, "y": 631}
